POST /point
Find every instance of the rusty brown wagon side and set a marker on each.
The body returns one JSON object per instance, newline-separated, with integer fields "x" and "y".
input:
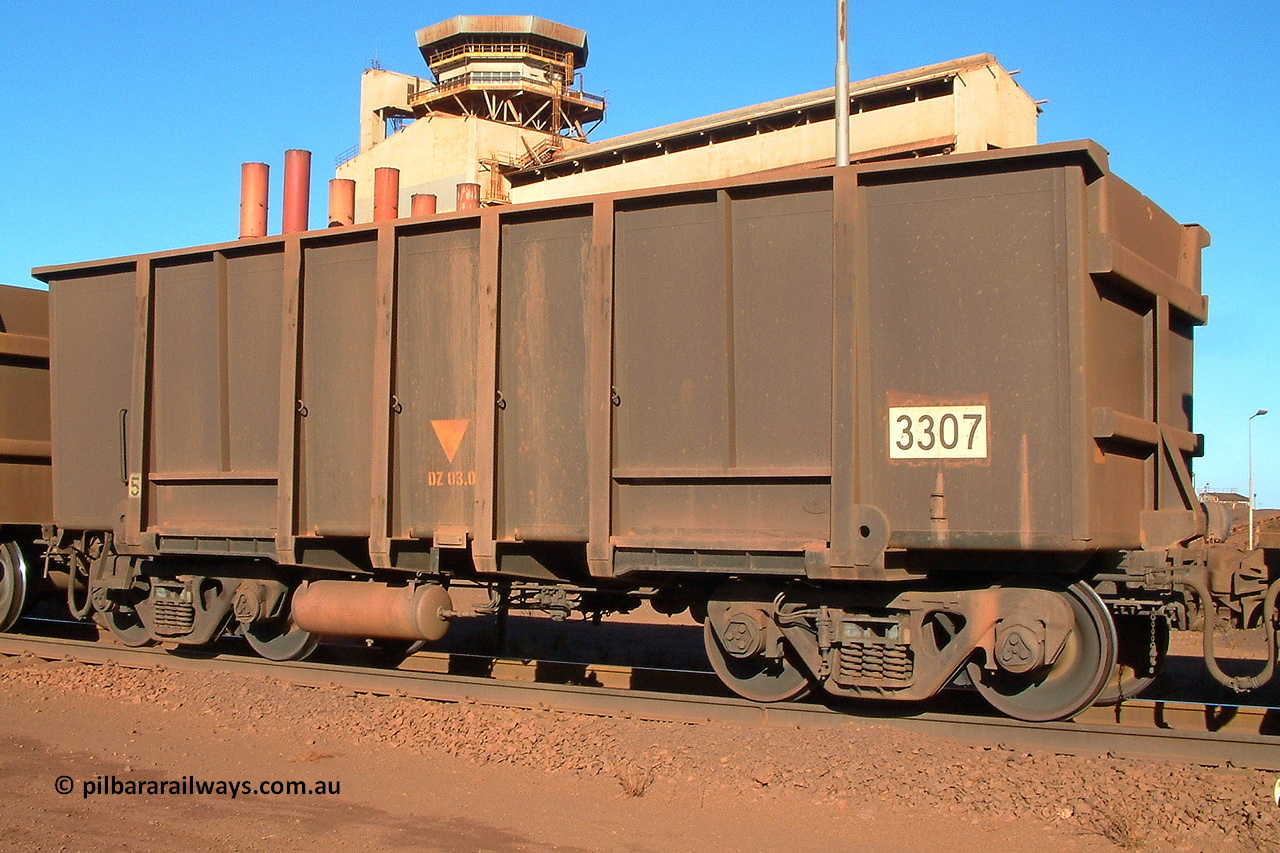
{"x": 685, "y": 371}
{"x": 978, "y": 363}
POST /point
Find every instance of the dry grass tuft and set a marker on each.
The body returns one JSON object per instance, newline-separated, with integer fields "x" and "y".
{"x": 635, "y": 779}
{"x": 1120, "y": 826}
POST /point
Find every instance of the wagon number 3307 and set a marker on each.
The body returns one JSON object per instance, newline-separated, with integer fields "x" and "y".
{"x": 938, "y": 432}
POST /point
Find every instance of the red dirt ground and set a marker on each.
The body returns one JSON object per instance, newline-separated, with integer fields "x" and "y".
{"x": 418, "y": 775}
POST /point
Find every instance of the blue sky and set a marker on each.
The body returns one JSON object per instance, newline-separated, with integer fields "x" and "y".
{"x": 124, "y": 124}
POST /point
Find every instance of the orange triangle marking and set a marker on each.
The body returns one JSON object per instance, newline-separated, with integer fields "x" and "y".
{"x": 450, "y": 434}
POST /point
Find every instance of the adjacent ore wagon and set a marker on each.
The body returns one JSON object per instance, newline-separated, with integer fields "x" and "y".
{"x": 882, "y": 428}
{"x": 25, "y": 473}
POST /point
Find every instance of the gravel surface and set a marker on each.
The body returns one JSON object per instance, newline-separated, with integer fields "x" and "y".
{"x": 878, "y": 775}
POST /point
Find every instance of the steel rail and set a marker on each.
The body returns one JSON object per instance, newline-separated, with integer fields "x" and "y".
{"x": 1245, "y": 737}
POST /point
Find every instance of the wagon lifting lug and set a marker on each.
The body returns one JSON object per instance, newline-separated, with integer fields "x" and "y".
{"x": 302, "y": 409}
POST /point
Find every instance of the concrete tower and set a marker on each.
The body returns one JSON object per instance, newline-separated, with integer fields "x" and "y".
{"x": 504, "y": 94}
{"x": 518, "y": 70}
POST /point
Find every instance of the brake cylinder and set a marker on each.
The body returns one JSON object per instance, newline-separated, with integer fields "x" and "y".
{"x": 366, "y": 609}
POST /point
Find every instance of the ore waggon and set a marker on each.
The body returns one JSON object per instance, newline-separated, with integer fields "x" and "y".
{"x": 882, "y": 428}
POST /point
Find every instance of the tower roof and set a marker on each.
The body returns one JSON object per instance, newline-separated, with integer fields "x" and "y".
{"x": 530, "y": 28}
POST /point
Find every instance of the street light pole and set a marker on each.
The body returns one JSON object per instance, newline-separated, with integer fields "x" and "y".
{"x": 842, "y": 83}
{"x": 1251, "y": 417}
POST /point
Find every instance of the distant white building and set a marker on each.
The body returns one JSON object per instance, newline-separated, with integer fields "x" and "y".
{"x": 1237, "y": 505}
{"x": 504, "y": 107}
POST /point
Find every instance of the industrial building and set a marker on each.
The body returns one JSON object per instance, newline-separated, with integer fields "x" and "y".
{"x": 504, "y": 107}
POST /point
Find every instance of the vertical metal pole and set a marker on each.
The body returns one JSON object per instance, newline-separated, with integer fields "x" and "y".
{"x": 468, "y": 197}
{"x": 297, "y": 191}
{"x": 342, "y": 202}
{"x": 422, "y": 204}
{"x": 253, "y": 200}
{"x": 842, "y": 82}
{"x": 386, "y": 194}
{"x": 1251, "y": 417}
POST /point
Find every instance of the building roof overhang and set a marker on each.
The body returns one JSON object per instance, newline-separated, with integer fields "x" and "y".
{"x": 517, "y": 26}
{"x": 707, "y": 128}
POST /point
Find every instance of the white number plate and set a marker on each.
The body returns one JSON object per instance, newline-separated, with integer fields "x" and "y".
{"x": 938, "y": 432}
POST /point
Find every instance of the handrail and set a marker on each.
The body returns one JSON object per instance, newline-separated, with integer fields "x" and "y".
{"x": 498, "y": 49}
{"x": 477, "y": 79}
{"x": 349, "y": 154}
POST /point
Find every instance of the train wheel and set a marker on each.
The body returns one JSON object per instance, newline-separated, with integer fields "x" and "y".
{"x": 278, "y": 639}
{"x": 1144, "y": 645}
{"x": 1072, "y": 682}
{"x": 13, "y": 585}
{"x": 757, "y": 678}
{"x": 736, "y": 632}
{"x": 125, "y": 626}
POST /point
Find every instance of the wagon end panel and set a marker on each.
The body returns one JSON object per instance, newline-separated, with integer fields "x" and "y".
{"x": 1142, "y": 307}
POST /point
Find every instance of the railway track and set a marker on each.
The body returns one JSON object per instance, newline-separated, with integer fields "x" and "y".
{"x": 1213, "y": 735}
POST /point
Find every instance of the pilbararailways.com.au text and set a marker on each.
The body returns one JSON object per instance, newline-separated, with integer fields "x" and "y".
{"x": 190, "y": 786}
